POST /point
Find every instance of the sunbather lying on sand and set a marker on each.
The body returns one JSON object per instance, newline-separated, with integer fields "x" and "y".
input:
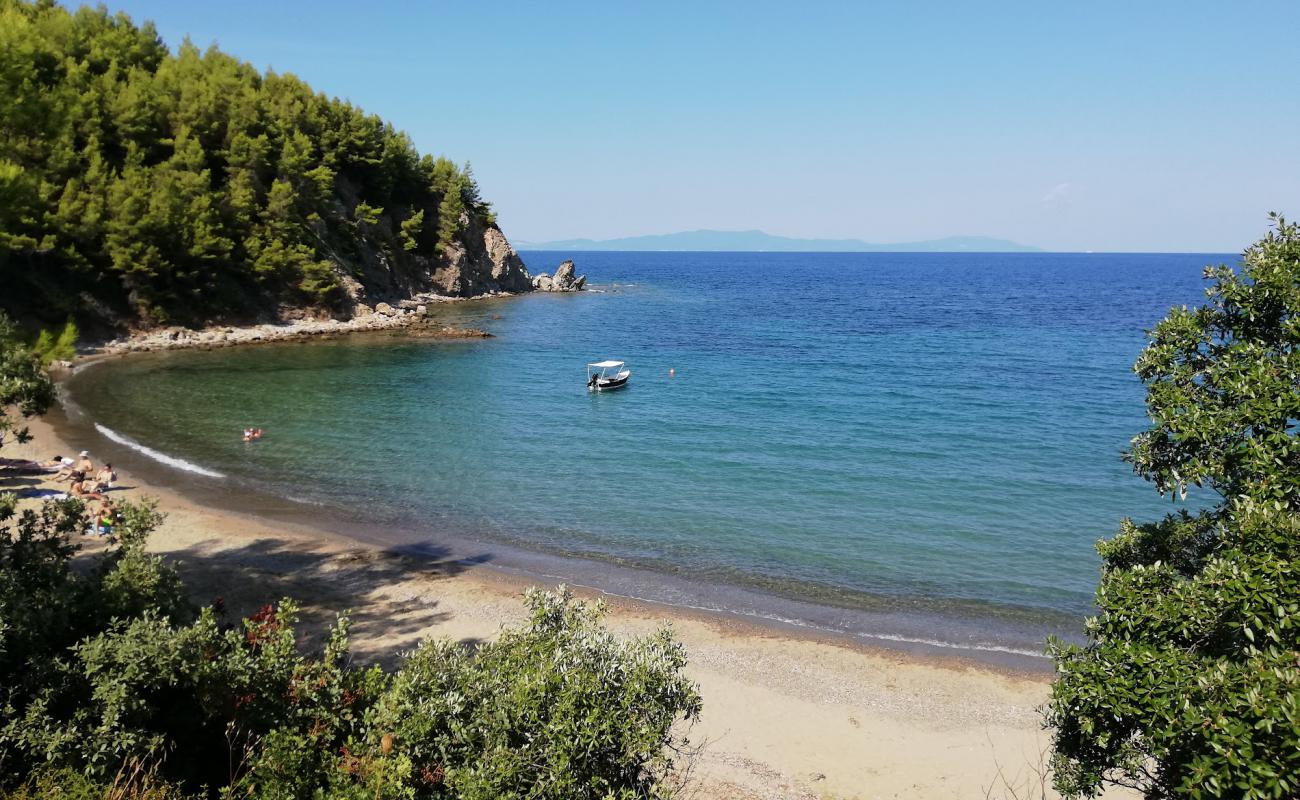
{"x": 68, "y": 466}
{"x": 27, "y": 465}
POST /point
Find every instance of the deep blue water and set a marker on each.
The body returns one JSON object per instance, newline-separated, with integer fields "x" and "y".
{"x": 928, "y": 432}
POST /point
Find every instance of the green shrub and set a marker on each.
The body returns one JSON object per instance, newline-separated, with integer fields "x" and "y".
{"x": 24, "y": 386}
{"x": 134, "y": 782}
{"x": 50, "y": 348}
{"x": 107, "y": 668}
{"x": 1189, "y": 685}
{"x": 557, "y": 709}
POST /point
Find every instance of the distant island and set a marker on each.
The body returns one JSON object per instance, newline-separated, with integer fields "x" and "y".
{"x": 760, "y": 241}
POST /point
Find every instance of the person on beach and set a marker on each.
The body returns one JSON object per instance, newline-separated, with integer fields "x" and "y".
{"x": 105, "y": 518}
{"x": 84, "y": 490}
{"x": 68, "y": 466}
{"x": 104, "y": 479}
{"x": 28, "y": 465}
{"x": 80, "y": 471}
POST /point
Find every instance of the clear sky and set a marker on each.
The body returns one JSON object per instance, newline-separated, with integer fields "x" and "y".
{"x": 1071, "y": 126}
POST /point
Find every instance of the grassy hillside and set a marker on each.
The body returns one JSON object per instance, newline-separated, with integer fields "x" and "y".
{"x": 139, "y": 187}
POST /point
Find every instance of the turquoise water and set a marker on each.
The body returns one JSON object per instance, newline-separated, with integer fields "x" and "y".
{"x": 894, "y": 436}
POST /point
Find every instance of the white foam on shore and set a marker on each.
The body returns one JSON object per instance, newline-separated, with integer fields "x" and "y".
{"x": 162, "y": 458}
{"x": 799, "y": 623}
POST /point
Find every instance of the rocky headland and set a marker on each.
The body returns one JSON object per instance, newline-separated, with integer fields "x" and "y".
{"x": 493, "y": 269}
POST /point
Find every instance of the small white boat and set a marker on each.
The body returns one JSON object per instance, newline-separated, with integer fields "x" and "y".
{"x": 605, "y": 375}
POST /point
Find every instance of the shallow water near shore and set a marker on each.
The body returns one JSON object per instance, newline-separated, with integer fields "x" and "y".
{"x": 920, "y": 448}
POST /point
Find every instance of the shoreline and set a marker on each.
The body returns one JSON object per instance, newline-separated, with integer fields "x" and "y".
{"x": 415, "y": 316}
{"x": 793, "y": 713}
{"x": 995, "y": 640}
{"x": 999, "y": 638}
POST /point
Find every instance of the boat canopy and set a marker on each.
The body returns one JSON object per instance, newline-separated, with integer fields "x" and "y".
{"x": 606, "y": 364}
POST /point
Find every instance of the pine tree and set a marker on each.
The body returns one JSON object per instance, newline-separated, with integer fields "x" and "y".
{"x": 411, "y": 228}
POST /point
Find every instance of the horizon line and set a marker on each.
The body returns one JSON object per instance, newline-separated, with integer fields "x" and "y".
{"x": 1034, "y": 252}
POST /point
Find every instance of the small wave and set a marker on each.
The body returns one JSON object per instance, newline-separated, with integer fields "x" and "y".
{"x": 304, "y": 501}
{"x": 799, "y": 623}
{"x": 163, "y": 458}
{"x": 986, "y": 648}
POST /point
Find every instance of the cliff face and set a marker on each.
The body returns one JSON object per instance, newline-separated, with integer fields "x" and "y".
{"x": 478, "y": 261}
{"x": 481, "y": 262}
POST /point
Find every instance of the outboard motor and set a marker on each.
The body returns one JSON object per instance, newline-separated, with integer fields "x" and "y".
{"x": 591, "y": 382}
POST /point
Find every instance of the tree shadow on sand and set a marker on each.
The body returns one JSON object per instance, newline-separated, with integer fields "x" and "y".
{"x": 386, "y": 593}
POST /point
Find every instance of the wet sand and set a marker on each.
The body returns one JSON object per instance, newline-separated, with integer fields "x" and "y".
{"x": 786, "y": 715}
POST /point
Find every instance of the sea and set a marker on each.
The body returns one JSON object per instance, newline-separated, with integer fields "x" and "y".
{"x": 917, "y": 450}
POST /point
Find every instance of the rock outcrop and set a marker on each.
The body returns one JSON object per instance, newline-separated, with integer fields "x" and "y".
{"x": 478, "y": 261}
{"x": 563, "y": 281}
{"x": 481, "y": 262}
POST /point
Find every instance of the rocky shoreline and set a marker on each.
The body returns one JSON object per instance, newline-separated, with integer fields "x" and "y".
{"x": 410, "y": 316}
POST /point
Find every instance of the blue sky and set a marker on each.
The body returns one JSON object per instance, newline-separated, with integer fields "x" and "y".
{"x": 1080, "y": 126}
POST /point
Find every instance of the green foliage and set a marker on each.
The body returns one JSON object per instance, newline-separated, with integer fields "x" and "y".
{"x": 559, "y": 709}
{"x": 137, "y": 184}
{"x": 50, "y": 348}
{"x": 411, "y": 228}
{"x": 1189, "y": 685}
{"x": 133, "y": 782}
{"x": 24, "y": 386}
{"x": 450, "y": 213}
{"x": 366, "y": 214}
{"x": 1221, "y": 381}
{"x": 106, "y": 669}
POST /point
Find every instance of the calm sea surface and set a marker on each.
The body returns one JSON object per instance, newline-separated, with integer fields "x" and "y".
{"x": 916, "y": 446}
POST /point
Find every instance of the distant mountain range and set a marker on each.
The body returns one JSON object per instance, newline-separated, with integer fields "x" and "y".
{"x": 759, "y": 241}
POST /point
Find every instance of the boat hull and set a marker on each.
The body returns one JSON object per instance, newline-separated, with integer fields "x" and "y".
{"x": 610, "y": 384}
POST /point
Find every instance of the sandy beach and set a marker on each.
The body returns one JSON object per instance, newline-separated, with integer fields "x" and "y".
{"x": 785, "y": 715}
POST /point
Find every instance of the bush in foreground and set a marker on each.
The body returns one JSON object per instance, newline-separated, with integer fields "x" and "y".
{"x": 111, "y": 684}
{"x": 1189, "y": 685}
